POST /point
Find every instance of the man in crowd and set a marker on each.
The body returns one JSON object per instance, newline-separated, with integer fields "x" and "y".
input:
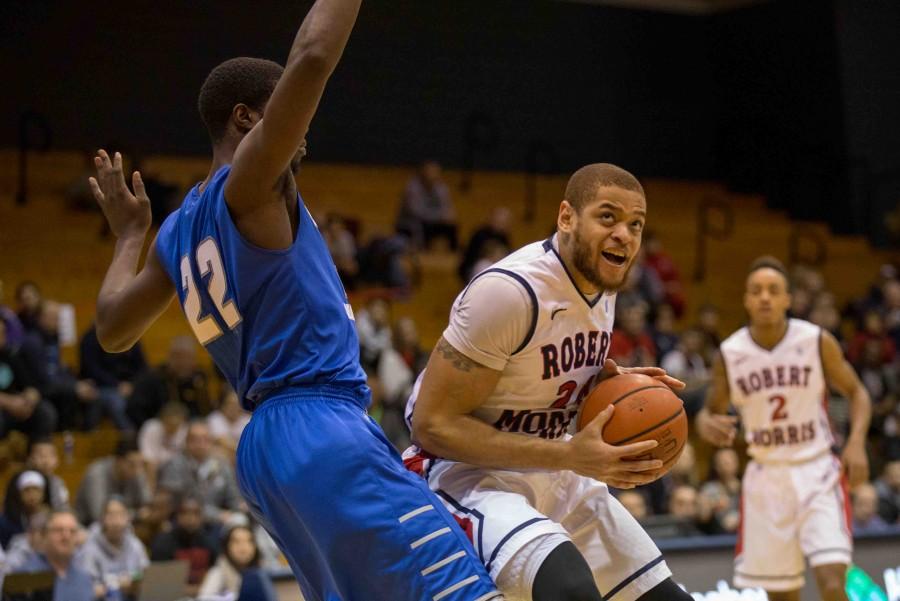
{"x": 121, "y": 474}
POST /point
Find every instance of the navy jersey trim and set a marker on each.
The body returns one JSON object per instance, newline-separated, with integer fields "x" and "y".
{"x": 508, "y": 536}
{"x": 548, "y": 247}
{"x": 531, "y": 295}
{"x": 473, "y": 512}
{"x": 616, "y": 589}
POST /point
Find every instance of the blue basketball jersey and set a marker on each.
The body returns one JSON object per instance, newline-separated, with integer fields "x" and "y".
{"x": 270, "y": 318}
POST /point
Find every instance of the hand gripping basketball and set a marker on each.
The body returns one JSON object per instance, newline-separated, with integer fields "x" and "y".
{"x": 591, "y": 456}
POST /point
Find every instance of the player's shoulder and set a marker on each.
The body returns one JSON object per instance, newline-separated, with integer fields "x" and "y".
{"x": 737, "y": 340}
{"x": 800, "y": 329}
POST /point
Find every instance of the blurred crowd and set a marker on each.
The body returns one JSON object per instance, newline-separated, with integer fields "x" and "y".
{"x": 168, "y": 489}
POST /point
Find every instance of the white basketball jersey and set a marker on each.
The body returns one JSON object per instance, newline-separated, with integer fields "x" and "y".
{"x": 547, "y": 377}
{"x": 781, "y": 393}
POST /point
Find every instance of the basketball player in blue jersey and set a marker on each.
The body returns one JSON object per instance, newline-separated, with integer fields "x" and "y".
{"x": 261, "y": 293}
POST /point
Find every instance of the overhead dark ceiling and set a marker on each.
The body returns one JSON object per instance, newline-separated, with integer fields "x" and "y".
{"x": 696, "y": 7}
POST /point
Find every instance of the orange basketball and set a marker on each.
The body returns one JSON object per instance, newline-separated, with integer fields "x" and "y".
{"x": 646, "y": 409}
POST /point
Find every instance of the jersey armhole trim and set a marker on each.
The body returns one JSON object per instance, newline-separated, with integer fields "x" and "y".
{"x": 531, "y": 295}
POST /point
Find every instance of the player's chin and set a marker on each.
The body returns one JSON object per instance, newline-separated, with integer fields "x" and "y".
{"x": 612, "y": 277}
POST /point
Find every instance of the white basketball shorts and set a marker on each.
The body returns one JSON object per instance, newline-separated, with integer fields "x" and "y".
{"x": 515, "y": 519}
{"x": 790, "y": 512}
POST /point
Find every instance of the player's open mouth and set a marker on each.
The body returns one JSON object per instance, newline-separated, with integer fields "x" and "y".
{"x": 615, "y": 257}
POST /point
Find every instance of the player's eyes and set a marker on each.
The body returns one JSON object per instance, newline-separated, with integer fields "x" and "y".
{"x": 607, "y": 217}
{"x": 638, "y": 225}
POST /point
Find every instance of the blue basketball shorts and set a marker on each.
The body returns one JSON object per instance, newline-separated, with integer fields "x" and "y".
{"x": 355, "y": 525}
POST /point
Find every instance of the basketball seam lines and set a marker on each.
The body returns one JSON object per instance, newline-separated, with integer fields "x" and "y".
{"x": 631, "y": 392}
{"x": 650, "y": 429}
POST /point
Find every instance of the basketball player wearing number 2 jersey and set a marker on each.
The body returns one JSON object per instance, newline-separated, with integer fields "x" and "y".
{"x": 776, "y": 372}
{"x": 261, "y": 293}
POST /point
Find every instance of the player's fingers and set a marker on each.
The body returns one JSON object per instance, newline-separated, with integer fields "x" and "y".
{"x": 647, "y": 371}
{"x": 619, "y": 484}
{"x": 636, "y": 449}
{"x": 95, "y": 188}
{"x": 139, "y": 190}
{"x": 610, "y": 369}
{"x": 117, "y": 170}
{"x": 647, "y": 465}
{"x": 104, "y": 158}
{"x": 673, "y": 383}
{"x": 596, "y": 425}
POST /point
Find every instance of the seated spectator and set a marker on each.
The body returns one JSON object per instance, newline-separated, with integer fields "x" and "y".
{"x": 801, "y": 303}
{"x": 635, "y": 503}
{"x": 865, "y": 511}
{"x": 708, "y": 318}
{"x": 631, "y": 343}
{"x": 112, "y": 554}
{"x": 426, "y": 210}
{"x": 492, "y": 252}
{"x": 888, "y": 489}
{"x": 385, "y": 262}
{"x": 73, "y": 583}
{"x": 687, "y": 363}
{"x": 43, "y": 458}
{"x": 188, "y": 540}
{"x": 890, "y": 309}
{"x": 227, "y": 423}
{"x": 26, "y": 495}
{"x": 113, "y": 374}
{"x": 825, "y": 315}
{"x": 28, "y": 304}
{"x": 872, "y": 330}
{"x": 684, "y": 507}
{"x": 25, "y": 548}
{"x": 15, "y": 332}
{"x": 155, "y": 518}
{"x": 162, "y": 438}
{"x": 342, "y": 246}
{"x": 21, "y": 406}
{"x": 405, "y": 341}
{"x": 121, "y": 475}
{"x": 494, "y": 233}
{"x": 720, "y": 497}
{"x": 180, "y": 379}
{"x": 239, "y": 553}
{"x": 665, "y": 338}
{"x": 373, "y": 326}
{"x": 198, "y": 471}
{"x": 662, "y": 264}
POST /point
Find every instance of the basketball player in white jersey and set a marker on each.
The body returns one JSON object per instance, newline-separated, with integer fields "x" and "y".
{"x": 777, "y": 372}
{"x": 492, "y": 412}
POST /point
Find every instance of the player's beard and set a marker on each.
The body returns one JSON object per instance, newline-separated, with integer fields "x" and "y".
{"x": 586, "y": 264}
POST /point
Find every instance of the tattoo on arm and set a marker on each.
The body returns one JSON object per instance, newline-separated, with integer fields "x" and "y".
{"x": 459, "y": 361}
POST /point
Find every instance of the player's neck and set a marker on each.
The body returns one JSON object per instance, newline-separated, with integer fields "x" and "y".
{"x": 223, "y": 154}
{"x": 584, "y": 286}
{"x": 768, "y": 335}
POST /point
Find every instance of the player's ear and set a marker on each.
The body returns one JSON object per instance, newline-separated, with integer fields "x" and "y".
{"x": 566, "y": 220}
{"x": 244, "y": 117}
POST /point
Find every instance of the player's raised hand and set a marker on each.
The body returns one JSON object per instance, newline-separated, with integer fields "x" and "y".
{"x": 128, "y": 214}
{"x": 855, "y": 463}
{"x": 592, "y": 457}
{"x": 610, "y": 369}
{"x": 716, "y": 428}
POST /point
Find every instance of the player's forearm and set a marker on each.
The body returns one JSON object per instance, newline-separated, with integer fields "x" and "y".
{"x": 324, "y": 33}
{"x": 860, "y": 415}
{"x": 468, "y": 440}
{"x": 114, "y": 326}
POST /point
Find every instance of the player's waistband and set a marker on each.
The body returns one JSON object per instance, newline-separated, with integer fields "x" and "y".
{"x": 357, "y": 394}
{"x": 788, "y": 462}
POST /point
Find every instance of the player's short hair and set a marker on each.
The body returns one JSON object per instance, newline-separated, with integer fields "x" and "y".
{"x": 584, "y": 183}
{"x": 769, "y": 262}
{"x": 241, "y": 80}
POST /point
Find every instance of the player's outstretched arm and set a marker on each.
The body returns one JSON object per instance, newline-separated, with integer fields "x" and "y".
{"x": 454, "y": 386}
{"x": 129, "y": 301}
{"x": 266, "y": 151}
{"x": 711, "y": 422}
{"x": 840, "y": 376}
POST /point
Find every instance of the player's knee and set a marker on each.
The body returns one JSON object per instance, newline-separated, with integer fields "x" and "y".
{"x": 565, "y": 576}
{"x": 666, "y": 590}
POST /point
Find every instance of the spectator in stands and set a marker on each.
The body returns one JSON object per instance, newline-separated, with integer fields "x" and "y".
{"x": 44, "y": 458}
{"x": 865, "y": 511}
{"x": 665, "y": 338}
{"x": 25, "y": 548}
{"x": 494, "y": 233}
{"x": 342, "y": 246}
{"x": 155, "y": 518}
{"x": 227, "y": 423}
{"x": 189, "y": 540}
{"x": 122, "y": 475}
{"x": 162, "y": 438}
{"x": 406, "y": 342}
{"x": 112, "y": 554}
{"x": 891, "y": 309}
{"x": 15, "y": 333}
{"x": 888, "y": 489}
{"x": 684, "y": 507}
{"x": 642, "y": 286}
{"x": 373, "y": 326}
{"x": 26, "y": 495}
{"x": 21, "y": 406}
{"x": 801, "y": 303}
{"x": 426, "y": 210}
{"x": 631, "y": 343}
{"x": 61, "y": 535}
{"x": 178, "y": 379}
{"x": 662, "y": 264}
{"x": 114, "y": 374}
{"x": 239, "y": 553}
{"x": 687, "y": 363}
{"x": 28, "y": 304}
{"x": 720, "y": 497}
{"x": 41, "y": 351}
{"x": 197, "y": 470}
{"x": 635, "y": 503}
{"x": 825, "y": 315}
{"x": 493, "y": 252}
{"x": 708, "y": 317}
{"x": 872, "y": 330}
{"x": 385, "y": 262}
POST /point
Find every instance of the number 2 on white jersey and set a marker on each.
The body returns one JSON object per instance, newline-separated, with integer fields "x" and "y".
{"x": 209, "y": 260}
